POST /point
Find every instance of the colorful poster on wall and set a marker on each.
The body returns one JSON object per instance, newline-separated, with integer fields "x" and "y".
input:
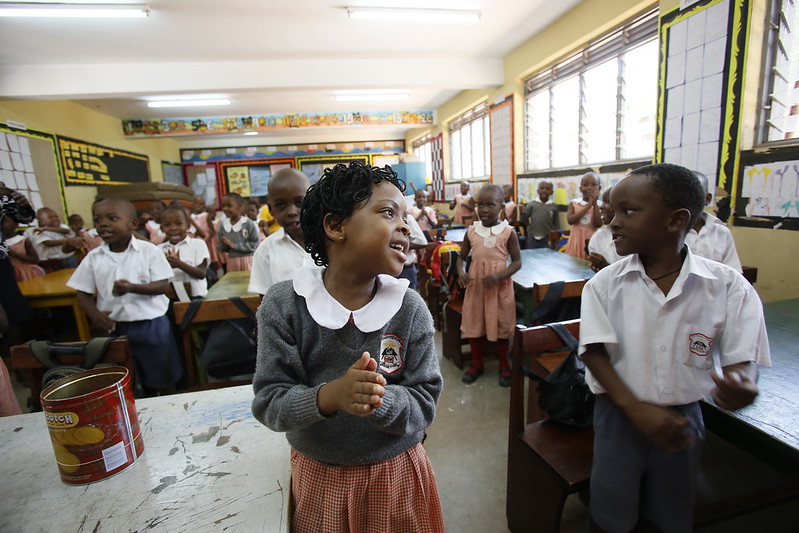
{"x": 259, "y": 180}
{"x": 238, "y": 179}
{"x": 91, "y": 164}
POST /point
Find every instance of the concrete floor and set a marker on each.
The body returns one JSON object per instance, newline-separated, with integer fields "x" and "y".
{"x": 467, "y": 445}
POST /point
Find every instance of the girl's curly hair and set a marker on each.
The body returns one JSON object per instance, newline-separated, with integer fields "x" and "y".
{"x": 338, "y": 192}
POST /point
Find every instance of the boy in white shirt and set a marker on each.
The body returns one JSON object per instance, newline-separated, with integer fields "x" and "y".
{"x": 710, "y": 237}
{"x": 601, "y": 250}
{"x": 282, "y": 253}
{"x": 656, "y": 326}
{"x": 130, "y": 278}
{"x": 54, "y": 242}
{"x": 188, "y": 257}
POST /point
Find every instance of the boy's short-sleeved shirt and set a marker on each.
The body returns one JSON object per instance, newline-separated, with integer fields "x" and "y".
{"x": 141, "y": 262}
{"x": 192, "y": 252}
{"x": 714, "y": 241}
{"x": 601, "y": 243}
{"x": 664, "y": 346}
{"x": 49, "y": 252}
{"x": 277, "y": 258}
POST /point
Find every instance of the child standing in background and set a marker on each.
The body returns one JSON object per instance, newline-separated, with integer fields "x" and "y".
{"x": 583, "y": 215}
{"x": 154, "y": 232}
{"x": 121, "y": 288}
{"x": 601, "y": 249}
{"x": 352, "y": 377}
{"x": 710, "y": 237}
{"x": 489, "y": 307}
{"x": 21, "y": 251}
{"x": 540, "y": 217}
{"x": 188, "y": 257}
{"x": 509, "y": 212}
{"x": 252, "y": 214}
{"x": 654, "y": 326}
{"x": 423, "y": 214}
{"x": 238, "y": 235}
{"x": 283, "y": 252}
{"x": 463, "y": 204}
{"x": 203, "y": 218}
{"x": 54, "y": 242}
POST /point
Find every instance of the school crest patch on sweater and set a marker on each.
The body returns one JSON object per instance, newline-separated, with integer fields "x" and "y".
{"x": 391, "y": 357}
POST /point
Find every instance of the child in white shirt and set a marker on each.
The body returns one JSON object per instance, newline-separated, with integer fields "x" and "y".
{"x": 188, "y": 257}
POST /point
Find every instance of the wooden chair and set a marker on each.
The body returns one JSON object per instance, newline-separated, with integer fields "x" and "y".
{"x": 67, "y": 353}
{"x": 452, "y": 310}
{"x": 546, "y": 462}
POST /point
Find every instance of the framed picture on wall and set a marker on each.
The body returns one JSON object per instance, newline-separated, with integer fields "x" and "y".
{"x": 250, "y": 178}
{"x": 314, "y": 167}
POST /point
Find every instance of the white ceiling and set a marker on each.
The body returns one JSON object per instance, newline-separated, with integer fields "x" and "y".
{"x": 267, "y": 56}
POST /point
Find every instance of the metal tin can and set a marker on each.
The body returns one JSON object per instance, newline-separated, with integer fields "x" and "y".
{"x": 93, "y": 424}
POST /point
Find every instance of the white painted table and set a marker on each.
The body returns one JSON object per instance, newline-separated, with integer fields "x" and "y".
{"x": 208, "y": 465}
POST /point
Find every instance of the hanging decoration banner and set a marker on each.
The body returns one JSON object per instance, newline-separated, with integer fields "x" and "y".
{"x": 91, "y": 164}
{"x": 240, "y": 124}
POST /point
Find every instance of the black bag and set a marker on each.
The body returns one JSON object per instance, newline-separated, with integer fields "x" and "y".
{"x": 564, "y": 395}
{"x": 92, "y": 350}
{"x": 230, "y": 347}
{"x": 552, "y": 308}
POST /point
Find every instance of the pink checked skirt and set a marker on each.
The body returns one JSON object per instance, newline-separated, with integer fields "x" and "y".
{"x": 395, "y": 496}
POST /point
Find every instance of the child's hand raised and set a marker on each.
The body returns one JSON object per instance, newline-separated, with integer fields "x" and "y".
{"x": 661, "y": 425}
{"x": 734, "y": 390}
{"x": 173, "y": 257}
{"x": 359, "y": 391}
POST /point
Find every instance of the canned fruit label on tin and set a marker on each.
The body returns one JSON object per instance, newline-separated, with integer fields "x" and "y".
{"x": 61, "y": 420}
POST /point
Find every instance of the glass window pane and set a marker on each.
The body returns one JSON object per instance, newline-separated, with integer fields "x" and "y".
{"x": 487, "y": 146}
{"x": 478, "y": 153}
{"x": 565, "y": 122}
{"x": 455, "y": 150}
{"x": 466, "y": 152}
{"x": 599, "y": 112}
{"x": 640, "y": 101}
{"x": 538, "y": 130}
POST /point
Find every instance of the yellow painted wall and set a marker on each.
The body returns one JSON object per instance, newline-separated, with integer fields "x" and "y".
{"x": 73, "y": 120}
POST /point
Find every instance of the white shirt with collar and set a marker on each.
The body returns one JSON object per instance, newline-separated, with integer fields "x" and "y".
{"x": 416, "y": 238}
{"x": 49, "y": 252}
{"x": 601, "y": 243}
{"x": 329, "y": 313}
{"x": 664, "y": 346}
{"x": 714, "y": 241}
{"x": 192, "y": 252}
{"x": 277, "y": 258}
{"x": 141, "y": 262}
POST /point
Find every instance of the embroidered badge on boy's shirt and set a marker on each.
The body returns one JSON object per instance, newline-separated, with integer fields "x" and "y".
{"x": 391, "y": 356}
{"x": 699, "y": 344}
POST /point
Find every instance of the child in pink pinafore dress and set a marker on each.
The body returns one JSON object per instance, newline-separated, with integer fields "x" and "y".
{"x": 489, "y": 307}
{"x": 583, "y": 215}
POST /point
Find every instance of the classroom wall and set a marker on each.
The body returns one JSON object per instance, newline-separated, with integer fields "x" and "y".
{"x": 74, "y": 120}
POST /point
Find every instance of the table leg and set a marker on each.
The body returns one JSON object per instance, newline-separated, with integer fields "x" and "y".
{"x": 82, "y": 323}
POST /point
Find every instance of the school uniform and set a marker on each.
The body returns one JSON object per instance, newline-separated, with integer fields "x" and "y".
{"x": 192, "y": 252}
{"x": 244, "y": 235}
{"x": 277, "y": 258}
{"x": 154, "y": 231}
{"x": 539, "y": 220}
{"x": 428, "y": 221}
{"x": 714, "y": 241}
{"x": 416, "y": 238}
{"x": 53, "y": 256}
{"x": 602, "y": 243}
{"x": 663, "y": 347}
{"x": 142, "y": 317}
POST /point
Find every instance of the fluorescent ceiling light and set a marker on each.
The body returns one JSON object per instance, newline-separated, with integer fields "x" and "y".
{"x": 370, "y": 97}
{"x": 188, "y": 103}
{"x": 250, "y": 133}
{"x": 31, "y": 9}
{"x": 399, "y": 14}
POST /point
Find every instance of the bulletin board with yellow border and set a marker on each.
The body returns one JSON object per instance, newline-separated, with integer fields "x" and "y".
{"x": 250, "y": 178}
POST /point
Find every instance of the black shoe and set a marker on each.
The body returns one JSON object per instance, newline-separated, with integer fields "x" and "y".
{"x": 504, "y": 378}
{"x": 471, "y": 375}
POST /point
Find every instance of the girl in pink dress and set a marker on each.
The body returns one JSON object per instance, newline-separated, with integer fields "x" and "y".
{"x": 238, "y": 235}
{"x": 203, "y": 218}
{"x": 583, "y": 215}
{"x": 489, "y": 307}
{"x": 463, "y": 204}
{"x": 21, "y": 251}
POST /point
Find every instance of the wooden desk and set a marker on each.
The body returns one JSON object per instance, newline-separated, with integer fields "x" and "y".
{"x": 543, "y": 266}
{"x": 207, "y": 464}
{"x": 215, "y": 306}
{"x": 51, "y": 290}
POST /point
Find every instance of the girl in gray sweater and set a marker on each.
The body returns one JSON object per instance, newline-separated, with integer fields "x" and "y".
{"x": 347, "y": 365}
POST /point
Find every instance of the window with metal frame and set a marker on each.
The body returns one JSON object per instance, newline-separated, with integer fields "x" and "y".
{"x": 422, "y": 148}
{"x": 779, "y": 109}
{"x": 470, "y": 144}
{"x": 598, "y": 105}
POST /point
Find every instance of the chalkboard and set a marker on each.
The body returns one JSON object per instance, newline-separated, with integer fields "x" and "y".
{"x": 91, "y": 164}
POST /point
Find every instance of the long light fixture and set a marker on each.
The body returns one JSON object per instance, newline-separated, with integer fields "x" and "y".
{"x": 400, "y": 14}
{"x": 370, "y": 97}
{"x": 189, "y": 103}
{"x": 58, "y": 10}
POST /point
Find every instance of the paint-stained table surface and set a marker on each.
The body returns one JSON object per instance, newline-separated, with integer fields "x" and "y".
{"x": 208, "y": 465}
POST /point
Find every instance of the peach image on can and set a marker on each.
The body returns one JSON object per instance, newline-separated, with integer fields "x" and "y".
{"x": 93, "y": 424}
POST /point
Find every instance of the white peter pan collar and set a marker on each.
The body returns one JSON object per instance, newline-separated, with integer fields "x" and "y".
{"x": 485, "y": 232}
{"x": 329, "y": 313}
{"x": 233, "y": 227}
